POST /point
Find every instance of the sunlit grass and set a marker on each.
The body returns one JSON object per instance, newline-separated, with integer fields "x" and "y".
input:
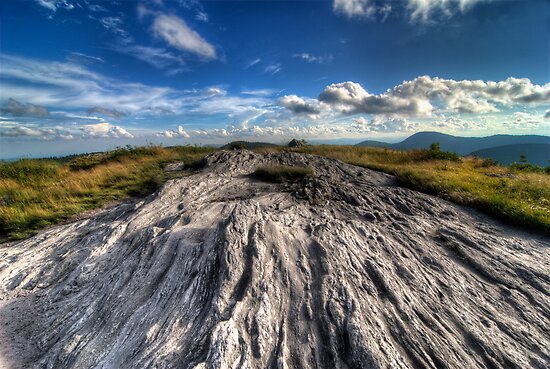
{"x": 515, "y": 196}
{"x": 37, "y": 193}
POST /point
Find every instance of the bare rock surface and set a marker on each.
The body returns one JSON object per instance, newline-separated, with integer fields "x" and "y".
{"x": 217, "y": 270}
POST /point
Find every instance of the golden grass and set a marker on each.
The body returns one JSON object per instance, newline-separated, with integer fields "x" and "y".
{"x": 37, "y": 193}
{"x": 517, "y": 197}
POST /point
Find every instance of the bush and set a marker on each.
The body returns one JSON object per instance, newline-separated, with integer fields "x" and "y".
{"x": 435, "y": 153}
{"x": 237, "y": 146}
{"x": 282, "y": 173}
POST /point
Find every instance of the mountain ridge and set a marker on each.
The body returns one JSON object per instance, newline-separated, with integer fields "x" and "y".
{"x": 458, "y": 144}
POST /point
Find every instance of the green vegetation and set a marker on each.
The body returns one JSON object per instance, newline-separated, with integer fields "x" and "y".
{"x": 519, "y": 194}
{"x": 282, "y": 173}
{"x": 36, "y": 193}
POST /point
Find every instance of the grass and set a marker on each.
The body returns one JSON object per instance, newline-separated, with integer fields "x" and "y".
{"x": 282, "y": 173}
{"x": 518, "y": 196}
{"x": 36, "y": 193}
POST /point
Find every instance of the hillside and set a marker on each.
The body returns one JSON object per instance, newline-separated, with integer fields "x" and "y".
{"x": 220, "y": 270}
{"x": 536, "y": 154}
{"x": 247, "y": 145}
{"x": 460, "y": 145}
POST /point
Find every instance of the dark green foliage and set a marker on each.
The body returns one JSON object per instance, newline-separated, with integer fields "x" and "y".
{"x": 237, "y": 146}
{"x": 435, "y": 153}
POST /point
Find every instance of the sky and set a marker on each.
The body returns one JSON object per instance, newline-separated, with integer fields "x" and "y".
{"x": 82, "y": 75}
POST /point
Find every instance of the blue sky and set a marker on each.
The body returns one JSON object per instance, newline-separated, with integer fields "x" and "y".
{"x": 83, "y": 75}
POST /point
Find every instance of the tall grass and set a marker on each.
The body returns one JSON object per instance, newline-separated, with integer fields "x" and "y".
{"x": 520, "y": 197}
{"x": 37, "y": 193}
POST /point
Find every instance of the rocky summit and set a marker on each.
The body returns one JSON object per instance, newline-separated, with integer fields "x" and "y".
{"x": 218, "y": 269}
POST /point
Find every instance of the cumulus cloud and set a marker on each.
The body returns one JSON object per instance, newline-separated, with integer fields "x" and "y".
{"x": 351, "y": 98}
{"x": 383, "y": 124}
{"x": 422, "y": 11}
{"x": 178, "y": 34}
{"x": 20, "y": 109}
{"x": 424, "y": 95}
{"x": 297, "y": 105}
{"x": 104, "y": 130}
{"x": 179, "y": 133}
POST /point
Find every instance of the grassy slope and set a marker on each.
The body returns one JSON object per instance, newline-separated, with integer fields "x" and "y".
{"x": 37, "y": 193}
{"x": 520, "y": 197}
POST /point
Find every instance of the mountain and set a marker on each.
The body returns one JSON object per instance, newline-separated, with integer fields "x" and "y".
{"x": 373, "y": 143}
{"x": 247, "y": 145}
{"x": 220, "y": 270}
{"x": 537, "y": 154}
{"x": 462, "y": 145}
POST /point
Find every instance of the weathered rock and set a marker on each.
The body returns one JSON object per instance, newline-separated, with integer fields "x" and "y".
{"x": 296, "y": 143}
{"x": 175, "y": 166}
{"x": 217, "y": 270}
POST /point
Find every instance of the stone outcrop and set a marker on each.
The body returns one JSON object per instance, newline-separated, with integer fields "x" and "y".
{"x": 217, "y": 270}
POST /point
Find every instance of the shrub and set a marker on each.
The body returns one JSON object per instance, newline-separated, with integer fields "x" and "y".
{"x": 435, "y": 153}
{"x": 237, "y": 146}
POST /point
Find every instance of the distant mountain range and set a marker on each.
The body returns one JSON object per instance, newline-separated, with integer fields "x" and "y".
{"x": 537, "y": 154}
{"x": 503, "y": 148}
{"x": 247, "y": 145}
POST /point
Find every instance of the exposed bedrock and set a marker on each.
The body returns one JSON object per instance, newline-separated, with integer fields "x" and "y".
{"x": 217, "y": 270}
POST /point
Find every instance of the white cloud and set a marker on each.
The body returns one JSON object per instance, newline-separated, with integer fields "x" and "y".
{"x": 114, "y": 25}
{"x": 252, "y": 63}
{"x": 351, "y": 98}
{"x": 273, "y": 68}
{"x": 355, "y": 8}
{"x": 314, "y": 59}
{"x": 298, "y": 105}
{"x": 425, "y": 95}
{"x": 179, "y": 133}
{"x": 259, "y": 92}
{"x": 423, "y": 11}
{"x": 547, "y": 114}
{"x": 154, "y": 56}
{"x": 53, "y": 5}
{"x": 176, "y": 32}
{"x": 201, "y": 16}
{"x": 84, "y": 59}
{"x": 104, "y": 130}
{"x": 46, "y": 133}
